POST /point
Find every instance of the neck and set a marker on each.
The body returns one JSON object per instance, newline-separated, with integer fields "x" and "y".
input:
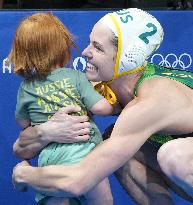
{"x": 124, "y": 86}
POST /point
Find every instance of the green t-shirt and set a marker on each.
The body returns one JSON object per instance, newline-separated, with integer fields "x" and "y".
{"x": 39, "y": 99}
{"x": 152, "y": 71}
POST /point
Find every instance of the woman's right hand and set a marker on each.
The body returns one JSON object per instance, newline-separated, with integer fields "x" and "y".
{"x": 61, "y": 128}
{"x": 66, "y": 128}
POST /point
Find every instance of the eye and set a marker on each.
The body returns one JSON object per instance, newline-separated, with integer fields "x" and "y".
{"x": 97, "y": 46}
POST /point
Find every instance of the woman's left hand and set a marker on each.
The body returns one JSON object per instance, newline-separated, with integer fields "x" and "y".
{"x": 16, "y": 176}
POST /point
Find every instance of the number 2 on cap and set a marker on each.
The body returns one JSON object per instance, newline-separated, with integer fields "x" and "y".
{"x": 144, "y": 36}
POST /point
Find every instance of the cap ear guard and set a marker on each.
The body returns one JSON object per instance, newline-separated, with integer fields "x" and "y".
{"x": 134, "y": 56}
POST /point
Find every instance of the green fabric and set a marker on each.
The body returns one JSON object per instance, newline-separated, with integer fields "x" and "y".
{"x": 39, "y": 99}
{"x": 152, "y": 71}
{"x": 66, "y": 154}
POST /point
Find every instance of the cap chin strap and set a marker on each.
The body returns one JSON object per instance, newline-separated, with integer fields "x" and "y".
{"x": 107, "y": 92}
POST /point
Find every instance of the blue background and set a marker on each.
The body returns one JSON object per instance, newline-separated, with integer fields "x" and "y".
{"x": 175, "y": 50}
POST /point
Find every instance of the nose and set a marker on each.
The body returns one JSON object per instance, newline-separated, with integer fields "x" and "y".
{"x": 87, "y": 52}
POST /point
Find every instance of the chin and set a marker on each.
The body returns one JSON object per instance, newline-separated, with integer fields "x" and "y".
{"x": 91, "y": 77}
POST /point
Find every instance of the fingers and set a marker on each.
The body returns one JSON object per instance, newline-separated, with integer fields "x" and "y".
{"x": 64, "y": 115}
{"x": 80, "y": 119}
{"x": 69, "y": 110}
{"x": 82, "y": 125}
{"x": 82, "y": 138}
{"x": 82, "y": 134}
{"x": 17, "y": 182}
{"x": 24, "y": 163}
{"x": 85, "y": 131}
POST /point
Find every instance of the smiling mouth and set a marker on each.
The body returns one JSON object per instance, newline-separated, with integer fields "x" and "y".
{"x": 91, "y": 67}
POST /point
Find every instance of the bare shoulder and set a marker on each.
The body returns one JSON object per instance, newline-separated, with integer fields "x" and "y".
{"x": 152, "y": 84}
{"x": 171, "y": 101}
{"x": 165, "y": 88}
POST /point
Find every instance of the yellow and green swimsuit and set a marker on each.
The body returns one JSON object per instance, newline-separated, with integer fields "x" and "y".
{"x": 152, "y": 71}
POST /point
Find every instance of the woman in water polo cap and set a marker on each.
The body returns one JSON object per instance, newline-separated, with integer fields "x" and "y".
{"x": 136, "y": 35}
{"x": 157, "y": 106}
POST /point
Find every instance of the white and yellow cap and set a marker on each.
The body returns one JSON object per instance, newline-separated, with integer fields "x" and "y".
{"x": 139, "y": 35}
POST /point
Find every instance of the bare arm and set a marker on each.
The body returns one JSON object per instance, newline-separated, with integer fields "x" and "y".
{"x": 29, "y": 143}
{"x": 102, "y": 107}
{"x": 141, "y": 118}
{"x": 62, "y": 128}
{"x": 128, "y": 135}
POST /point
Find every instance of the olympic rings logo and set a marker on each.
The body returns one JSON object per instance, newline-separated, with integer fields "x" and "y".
{"x": 183, "y": 62}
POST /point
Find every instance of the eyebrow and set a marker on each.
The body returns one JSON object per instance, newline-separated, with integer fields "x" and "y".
{"x": 95, "y": 43}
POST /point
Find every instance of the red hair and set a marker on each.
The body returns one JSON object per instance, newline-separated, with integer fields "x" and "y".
{"x": 41, "y": 43}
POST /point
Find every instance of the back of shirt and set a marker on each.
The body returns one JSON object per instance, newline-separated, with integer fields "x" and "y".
{"x": 39, "y": 99}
